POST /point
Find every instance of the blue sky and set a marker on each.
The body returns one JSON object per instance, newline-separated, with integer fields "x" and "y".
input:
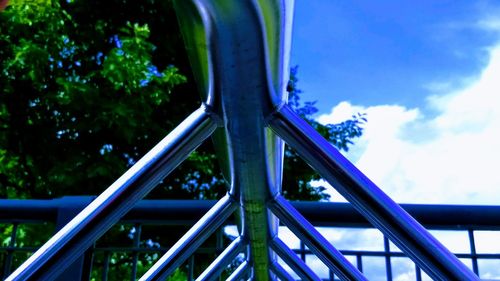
{"x": 388, "y": 51}
{"x": 427, "y": 74}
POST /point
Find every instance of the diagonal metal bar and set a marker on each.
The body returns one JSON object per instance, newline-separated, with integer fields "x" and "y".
{"x": 240, "y": 272}
{"x": 314, "y": 240}
{"x": 280, "y": 272}
{"x": 186, "y": 246}
{"x": 78, "y": 235}
{"x": 293, "y": 260}
{"x": 368, "y": 199}
{"x": 223, "y": 260}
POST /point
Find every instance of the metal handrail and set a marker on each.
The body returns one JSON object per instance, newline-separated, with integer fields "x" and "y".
{"x": 188, "y": 212}
{"x": 239, "y": 51}
{"x": 468, "y": 218}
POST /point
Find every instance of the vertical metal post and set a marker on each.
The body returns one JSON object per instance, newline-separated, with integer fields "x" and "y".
{"x": 105, "y": 265}
{"x": 219, "y": 244}
{"x": 136, "y": 245}
{"x": 418, "y": 273}
{"x": 331, "y": 275}
{"x": 359, "y": 262}
{"x": 387, "y": 254}
{"x": 473, "y": 253}
{"x": 302, "y": 251}
{"x": 10, "y": 252}
{"x": 191, "y": 268}
{"x": 240, "y": 58}
{"x": 68, "y": 208}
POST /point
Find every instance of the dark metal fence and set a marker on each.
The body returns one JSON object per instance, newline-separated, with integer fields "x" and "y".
{"x": 23, "y": 224}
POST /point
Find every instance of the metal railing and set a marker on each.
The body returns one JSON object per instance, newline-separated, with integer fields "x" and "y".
{"x": 239, "y": 51}
{"x": 148, "y": 216}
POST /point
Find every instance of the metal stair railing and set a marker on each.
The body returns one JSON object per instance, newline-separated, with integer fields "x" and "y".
{"x": 239, "y": 52}
{"x": 471, "y": 230}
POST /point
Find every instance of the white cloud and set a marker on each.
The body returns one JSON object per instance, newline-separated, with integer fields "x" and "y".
{"x": 491, "y": 24}
{"x": 450, "y": 157}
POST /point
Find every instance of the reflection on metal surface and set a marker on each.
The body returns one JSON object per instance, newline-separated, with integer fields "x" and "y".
{"x": 78, "y": 235}
{"x": 313, "y": 239}
{"x": 239, "y": 53}
{"x": 297, "y": 264}
{"x": 368, "y": 199}
{"x": 214, "y": 270}
{"x": 186, "y": 246}
{"x": 242, "y": 49}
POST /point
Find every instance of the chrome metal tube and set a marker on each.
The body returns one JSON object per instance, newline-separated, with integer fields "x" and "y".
{"x": 72, "y": 240}
{"x": 223, "y": 260}
{"x": 186, "y": 246}
{"x": 306, "y": 232}
{"x": 368, "y": 199}
{"x": 240, "y": 60}
{"x": 280, "y": 272}
{"x": 293, "y": 260}
{"x": 239, "y": 273}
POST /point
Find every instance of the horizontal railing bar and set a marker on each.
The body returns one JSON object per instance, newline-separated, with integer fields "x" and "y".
{"x": 187, "y": 212}
{"x": 20, "y": 249}
{"x": 397, "y": 254}
{"x": 212, "y": 250}
{"x": 205, "y": 250}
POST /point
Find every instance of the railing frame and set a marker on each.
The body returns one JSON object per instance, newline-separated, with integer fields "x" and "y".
{"x": 464, "y": 218}
{"x": 240, "y": 60}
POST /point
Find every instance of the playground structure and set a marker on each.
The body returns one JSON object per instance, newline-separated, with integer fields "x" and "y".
{"x": 239, "y": 52}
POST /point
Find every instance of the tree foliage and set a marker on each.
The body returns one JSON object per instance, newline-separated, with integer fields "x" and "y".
{"x": 89, "y": 86}
{"x": 297, "y": 174}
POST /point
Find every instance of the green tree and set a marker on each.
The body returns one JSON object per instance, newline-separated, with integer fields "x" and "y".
{"x": 87, "y": 87}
